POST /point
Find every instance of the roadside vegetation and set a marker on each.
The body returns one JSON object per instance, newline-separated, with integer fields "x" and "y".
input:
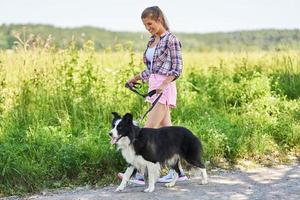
{"x": 56, "y": 104}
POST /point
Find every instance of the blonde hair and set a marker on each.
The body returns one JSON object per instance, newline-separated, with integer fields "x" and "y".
{"x": 154, "y": 12}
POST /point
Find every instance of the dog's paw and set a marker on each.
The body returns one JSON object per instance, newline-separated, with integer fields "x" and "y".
{"x": 119, "y": 189}
{"x": 204, "y": 182}
{"x": 149, "y": 190}
{"x": 170, "y": 185}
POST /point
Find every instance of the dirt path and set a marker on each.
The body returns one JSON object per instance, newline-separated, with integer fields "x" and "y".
{"x": 281, "y": 182}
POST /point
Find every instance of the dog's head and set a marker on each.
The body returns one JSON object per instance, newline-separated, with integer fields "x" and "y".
{"x": 122, "y": 127}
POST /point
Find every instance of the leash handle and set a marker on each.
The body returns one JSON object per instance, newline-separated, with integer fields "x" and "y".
{"x": 132, "y": 88}
{"x": 150, "y": 94}
{"x": 133, "y": 85}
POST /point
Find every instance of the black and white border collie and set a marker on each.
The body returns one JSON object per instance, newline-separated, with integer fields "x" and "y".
{"x": 147, "y": 150}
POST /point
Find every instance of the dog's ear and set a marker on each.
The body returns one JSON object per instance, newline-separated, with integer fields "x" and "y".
{"x": 116, "y": 115}
{"x": 128, "y": 118}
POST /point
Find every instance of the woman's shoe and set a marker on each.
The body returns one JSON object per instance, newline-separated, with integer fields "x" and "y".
{"x": 137, "y": 179}
{"x": 169, "y": 177}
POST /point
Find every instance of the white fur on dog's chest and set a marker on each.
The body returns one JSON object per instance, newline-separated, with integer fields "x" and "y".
{"x": 130, "y": 156}
{"x": 136, "y": 160}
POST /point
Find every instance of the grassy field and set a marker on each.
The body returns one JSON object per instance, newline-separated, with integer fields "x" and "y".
{"x": 55, "y": 111}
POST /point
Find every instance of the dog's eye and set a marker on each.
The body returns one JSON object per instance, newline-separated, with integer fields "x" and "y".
{"x": 119, "y": 128}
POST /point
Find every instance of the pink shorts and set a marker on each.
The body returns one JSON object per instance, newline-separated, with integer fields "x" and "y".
{"x": 169, "y": 94}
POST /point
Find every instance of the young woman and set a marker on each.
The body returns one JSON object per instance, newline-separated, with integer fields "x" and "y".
{"x": 163, "y": 61}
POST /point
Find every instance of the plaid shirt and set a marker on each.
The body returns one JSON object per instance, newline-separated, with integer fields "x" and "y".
{"x": 167, "y": 59}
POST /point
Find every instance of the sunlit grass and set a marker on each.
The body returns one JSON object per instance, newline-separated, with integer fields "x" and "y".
{"x": 55, "y": 110}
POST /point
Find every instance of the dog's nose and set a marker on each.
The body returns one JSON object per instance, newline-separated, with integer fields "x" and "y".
{"x": 110, "y": 134}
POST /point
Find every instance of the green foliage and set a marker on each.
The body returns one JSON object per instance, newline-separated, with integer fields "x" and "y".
{"x": 239, "y": 41}
{"x": 286, "y": 81}
{"x": 56, "y": 110}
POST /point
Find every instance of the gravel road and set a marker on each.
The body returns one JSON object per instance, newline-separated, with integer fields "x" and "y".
{"x": 280, "y": 182}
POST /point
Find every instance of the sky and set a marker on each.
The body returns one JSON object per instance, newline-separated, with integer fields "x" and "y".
{"x": 192, "y": 16}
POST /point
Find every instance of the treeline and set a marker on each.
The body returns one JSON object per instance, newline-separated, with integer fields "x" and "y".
{"x": 36, "y": 34}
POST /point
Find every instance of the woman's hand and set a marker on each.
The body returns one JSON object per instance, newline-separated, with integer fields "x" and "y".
{"x": 164, "y": 84}
{"x": 132, "y": 81}
{"x": 161, "y": 88}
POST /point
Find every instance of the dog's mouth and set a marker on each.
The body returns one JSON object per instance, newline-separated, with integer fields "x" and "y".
{"x": 114, "y": 140}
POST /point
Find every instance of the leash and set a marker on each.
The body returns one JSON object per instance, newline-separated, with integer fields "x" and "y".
{"x": 150, "y": 94}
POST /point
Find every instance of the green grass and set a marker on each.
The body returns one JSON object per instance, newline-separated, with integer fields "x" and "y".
{"x": 55, "y": 110}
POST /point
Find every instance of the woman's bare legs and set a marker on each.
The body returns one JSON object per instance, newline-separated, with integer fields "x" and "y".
{"x": 154, "y": 120}
{"x": 158, "y": 115}
{"x": 166, "y": 121}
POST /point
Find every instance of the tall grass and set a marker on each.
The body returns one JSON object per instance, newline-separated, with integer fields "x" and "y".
{"x": 55, "y": 111}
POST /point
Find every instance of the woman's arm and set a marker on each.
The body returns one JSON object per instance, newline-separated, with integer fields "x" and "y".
{"x": 164, "y": 84}
{"x": 169, "y": 79}
{"x": 176, "y": 57}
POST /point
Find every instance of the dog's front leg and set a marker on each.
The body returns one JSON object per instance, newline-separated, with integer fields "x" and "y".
{"x": 153, "y": 175}
{"x": 204, "y": 176}
{"x": 126, "y": 178}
